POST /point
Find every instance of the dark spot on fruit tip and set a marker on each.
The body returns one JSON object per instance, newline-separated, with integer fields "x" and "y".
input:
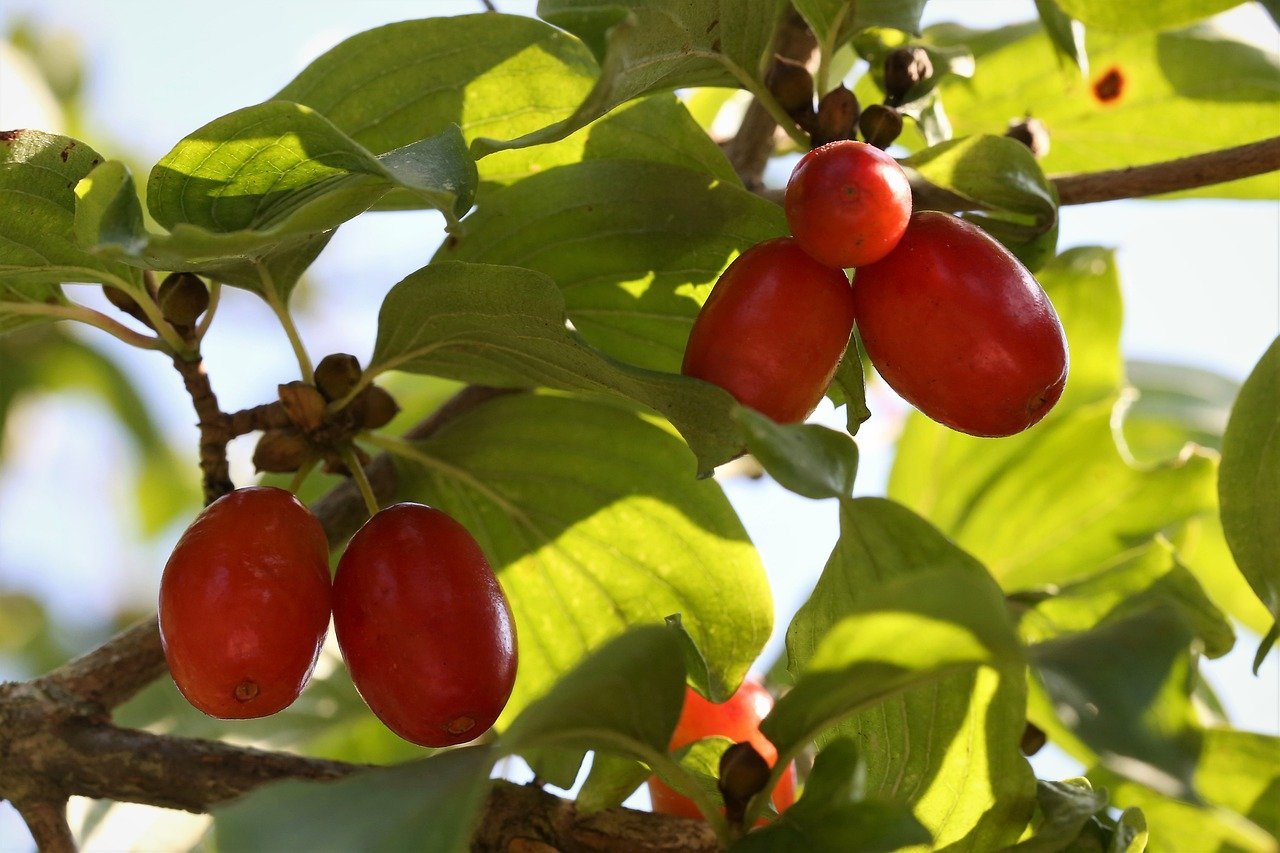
{"x": 246, "y": 690}
{"x": 1110, "y": 86}
{"x": 458, "y": 725}
{"x": 9, "y": 135}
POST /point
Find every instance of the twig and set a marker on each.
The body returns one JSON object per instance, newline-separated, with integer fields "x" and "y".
{"x": 47, "y": 821}
{"x": 1185, "y": 173}
{"x": 115, "y": 671}
{"x": 213, "y": 429}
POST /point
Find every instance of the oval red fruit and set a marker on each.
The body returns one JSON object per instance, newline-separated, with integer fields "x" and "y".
{"x": 245, "y": 603}
{"x": 847, "y": 203}
{"x": 959, "y": 327}
{"x": 738, "y": 719}
{"x": 773, "y": 330}
{"x": 424, "y": 627}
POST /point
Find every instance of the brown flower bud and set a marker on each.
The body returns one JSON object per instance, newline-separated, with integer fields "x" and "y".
{"x": 281, "y": 451}
{"x": 125, "y": 303}
{"x": 903, "y": 69}
{"x": 837, "y": 116}
{"x": 880, "y": 125}
{"x": 373, "y": 408}
{"x": 183, "y": 298}
{"x": 337, "y": 374}
{"x": 1032, "y": 133}
{"x": 791, "y": 85}
{"x": 303, "y": 404}
{"x": 743, "y": 774}
{"x": 1033, "y": 739}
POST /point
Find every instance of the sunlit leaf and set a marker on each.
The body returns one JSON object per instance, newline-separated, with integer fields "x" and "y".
{"x": 1150, "y": 15}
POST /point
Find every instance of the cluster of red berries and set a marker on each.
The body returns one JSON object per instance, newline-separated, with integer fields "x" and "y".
{"x": 951, "y": 320}
{"x": 423, "y": 625}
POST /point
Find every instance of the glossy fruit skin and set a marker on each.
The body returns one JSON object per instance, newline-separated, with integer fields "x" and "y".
{"x": 958, "y": 327}
{"x": 773, "y": 330}
{"x": 737, "y": 719}
{"x": 847, "y": 203}
{"x": 424, "y": 627}
{"x": 245, "y": 603}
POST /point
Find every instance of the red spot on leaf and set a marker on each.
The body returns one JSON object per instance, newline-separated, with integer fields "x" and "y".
{"x": 1109, "y": 87}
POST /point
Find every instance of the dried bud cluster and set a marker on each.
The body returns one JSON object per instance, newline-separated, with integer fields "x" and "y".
{"x": 903, "y": 69}
{"x": 880, "y": 125}
{"x": 837, "y": 117}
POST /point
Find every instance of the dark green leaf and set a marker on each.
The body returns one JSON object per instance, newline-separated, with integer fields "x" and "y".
{"x": 808, "y": 459}
{"x": 1123, "y": 688}
{"x": 832, "y": 816}
{"x": 850, "y": 381}
{"x": 625, "y": 697}
{"x": 1064, "y": 809}
{"x": 1130, "y": 832}
{"x": 611, "y": 780}
{"x": 835, "y": 21}
{"x": 424, "y": 805}
{"x": 1249, "y": 484}
{"x": 949, "y": 746}
{"x": 700, "y": 761}
{"x": 655, "y": 47}
{"x": 38, "y": 251}
{"x": 1149, "y": 576}
{"x": 554, "y": 765}
{"x": 1066, "y": 33}
{"x": 700, "y": 674}
{"x": 591, "y": 519}
{"x": 1146, "y": 16}
{"x": 634, "y": 246}
{"x": 504, "y": 326}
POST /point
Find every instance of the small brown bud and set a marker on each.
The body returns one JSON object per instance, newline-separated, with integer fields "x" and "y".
{"x": 880, "y": 125}
{"x": 125, "y": 303}
{"x": 743, "y": 774}
{"x": 183, "y": 298}
{"x": 903, "y": 69}
{"x": 303, "y": 404}
{"x": 1033, "y": 739}
{"x": 337, "y": 374}
{"x": 373, "y": 408}
{"x": 281, "y": 451}
{"x": 791, "y": 85}
{"x": 837, "y": 116}
{"x": 1032, "y": 133}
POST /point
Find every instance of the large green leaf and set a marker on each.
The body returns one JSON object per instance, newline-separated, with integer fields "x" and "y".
{"x": 424, "y": 805}
{"x": 1148, "y": 15}
{"x": 835, "y": 21}
{"x": 1122, "y": 688}
{"x": 949, "y": 745}
{"x": 1249, "y": 486}
{"x": 1202, "y": 548}
{"x": 635, "y": 247}
{"x": 38, "y": 251}
{"x": 1176, "y": 404}
{"x": 591, "y": 519}
{"x": 832, "y": 815}
{"x": 808, "y": 459}
{"x": 1064, "y": 810}
{"x": 505, "y": 326}
{"x": 1169, "y": 105}
{"x": 655, "y": 47}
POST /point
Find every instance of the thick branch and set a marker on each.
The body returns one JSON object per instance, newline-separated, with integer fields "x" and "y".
{"x": 47, "y": 821}
{"x": 213, "y": 429}
{"x": 1186, "y": 173}
{"x": 115, "y": 671}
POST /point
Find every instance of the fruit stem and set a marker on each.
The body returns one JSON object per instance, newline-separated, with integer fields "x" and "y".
{"x": 87, "y": 316}
{"x": 303, "y": 472}
{"x": 281, "y": 311}
{"x": 362, "y": 479}
{"x": 215, "y": 291}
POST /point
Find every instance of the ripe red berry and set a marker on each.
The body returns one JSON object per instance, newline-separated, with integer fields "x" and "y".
{"x": 737, "y": 719}
{"x": 847, "y": 203}
{"x": 424, "y": 626}
{"x": 957, "y": 326}
{"x": 245, "y": 603}
{"x": 773, "y": 330}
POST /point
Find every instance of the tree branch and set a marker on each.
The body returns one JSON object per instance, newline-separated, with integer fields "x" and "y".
{"x": 115, "y": 671}
{"x": 1185, "y": 173}
{"x": 213, "y": 429}
{"x": 47, "y": 821}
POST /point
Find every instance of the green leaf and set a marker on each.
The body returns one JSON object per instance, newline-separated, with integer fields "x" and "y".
{"x": 38, "y": 251}
{"x": 423, "y": 805}
{"x": 701, "y": 676}
{"x": 393, "y": 85}
{"x": 611, "y": 780}
{"x": 851, "y": 383}
{"x": 1066, "y": 33}
{"x": 634, "y": 246}
{"x": 655, "y": 47}
{"x": 1148, "y": 16}
{"x": 1175, "y": 404}
{"x": 994, "y": 179}
{"x": 504, "y": 326}
{"x": 1151, "y": 575}
{"x": 1130, "y": 834}
{"x": 1167, "y": 107}
{"x": 1249, "y": 483}
{"x": 1122, "y": 688}
{"x": 1241, "y": 771}
{"x": 1065, "y": 807}
{"x": 589, "y": 516}
{"x": 700, "y": 762}
{"x": 808, "y": 459}
{"x": 948, "y": 746}
{"x": 832, "y": 814}
{"x": 835, "y": 21}
{"x": 624, "y": 698}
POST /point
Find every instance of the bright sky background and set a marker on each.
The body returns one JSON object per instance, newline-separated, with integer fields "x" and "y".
{"x": 1201, "y": 282}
